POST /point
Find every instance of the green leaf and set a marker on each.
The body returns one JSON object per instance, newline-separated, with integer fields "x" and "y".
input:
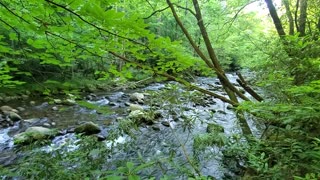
{"x": 13, "y": 37}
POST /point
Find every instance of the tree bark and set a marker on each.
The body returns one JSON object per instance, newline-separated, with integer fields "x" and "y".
{"x": 211, "y": 52}
{"x": 296, "y": 15}
{"x": 303, "y": 17}
{"x": 289, "y": 16}
{"x": 243, "y": 83}
{"x": 275, "y": 18}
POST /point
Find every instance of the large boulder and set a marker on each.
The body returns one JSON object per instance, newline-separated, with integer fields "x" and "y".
{"x": 87, "y": 128}
{"x": 33, "y": 134}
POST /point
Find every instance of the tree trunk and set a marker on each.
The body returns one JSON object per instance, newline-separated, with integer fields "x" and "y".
{"x": 303, "y": 17}
{"x": 275, "y": 18}
{"x": 211, "y": 52}
{"x": 289, "y": 16}
{"x": 296, "y": 15}
{"x": 213, "y": 61}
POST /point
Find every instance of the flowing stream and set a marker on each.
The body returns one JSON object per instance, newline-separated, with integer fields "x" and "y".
{"x": 152, "y": 140}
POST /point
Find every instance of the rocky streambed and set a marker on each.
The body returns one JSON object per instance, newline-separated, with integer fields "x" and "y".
{"x": 167, "y": 116}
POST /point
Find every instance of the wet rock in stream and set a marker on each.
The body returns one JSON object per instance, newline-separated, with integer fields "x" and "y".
{"x": 139, "y": 97}
{"x": 87, "y": 128}
{"x": 8, "y": 116}
{"x": 33, "y": 134}
{"x": 134, "y": 107}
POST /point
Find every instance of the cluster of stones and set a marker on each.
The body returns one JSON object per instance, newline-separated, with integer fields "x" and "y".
{"x": 41, "y": 132}
{"x": 9, "y": 116}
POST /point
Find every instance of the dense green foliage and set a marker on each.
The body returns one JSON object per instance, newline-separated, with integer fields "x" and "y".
{"x": 60, "y": 43}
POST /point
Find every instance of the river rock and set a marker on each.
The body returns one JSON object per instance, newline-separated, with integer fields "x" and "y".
{"x": 137, "y": 97}
{"x": 139, "y": 117}
{"x": 166, "y": 123}
{"x": 32, "y": 134}
{"x": 113, "y": 104}
{"x": 57, "y": 101}
{"x": 91, "y": 97}
{"x": 32, "y": 103}
{"x": 230, "y": 107}
{"x": 69, "y": 102}
{"x": 156, "y": 127}
{"x": 87, "y": 128}
{"x": 46, "y": 125}
{"x": 134, "y": 107}
{"x": 214, "y": 128}
{"x": 221, "y": 112}
{"x": 6, "y": 108}
{"x": 136, "y": 114}
{"x": 100, "y": 137}
{"x": 21, "y": 109}
{"x": 24, "y": 96}
{"x": 32, "y": 121}
{"x": 7, "y": 98}
{"x": 55, "y": 108}
{"x": 14, "y": 116}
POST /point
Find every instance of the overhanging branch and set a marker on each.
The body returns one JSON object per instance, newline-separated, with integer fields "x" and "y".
{"x": 184, "y": 82}
{"x": 95, "y": 26}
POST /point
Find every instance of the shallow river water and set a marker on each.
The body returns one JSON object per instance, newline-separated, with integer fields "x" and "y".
{"x": 149, "y": 143}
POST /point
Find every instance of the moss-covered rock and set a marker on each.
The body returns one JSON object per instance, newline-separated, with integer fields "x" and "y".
{"x": 33, "y": 134}
{"x": 14, "y": 116}
{"x": 87, "y": 128}
{"x": 139, "y": 117}
{"x": 139, "y": 97}
{"x": 135, "y": 107}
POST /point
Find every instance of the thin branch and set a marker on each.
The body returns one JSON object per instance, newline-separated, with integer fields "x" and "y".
{"x": 236, "y": 15}
{"x": 72, "y": 42}
{"x": 150, "y": 5}
{"x": 2, "y": 4}
{"x": 181, "y": 7}
{"x": 95, "y": 26}
{"x": 14, "y": 29}
{"x": 155, "y": 12}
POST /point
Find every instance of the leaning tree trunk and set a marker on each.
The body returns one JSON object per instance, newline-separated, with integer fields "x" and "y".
{"x": 222, "y": 77}
{"x": 212, "y": 62}
{"x": 275, "y": 18}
